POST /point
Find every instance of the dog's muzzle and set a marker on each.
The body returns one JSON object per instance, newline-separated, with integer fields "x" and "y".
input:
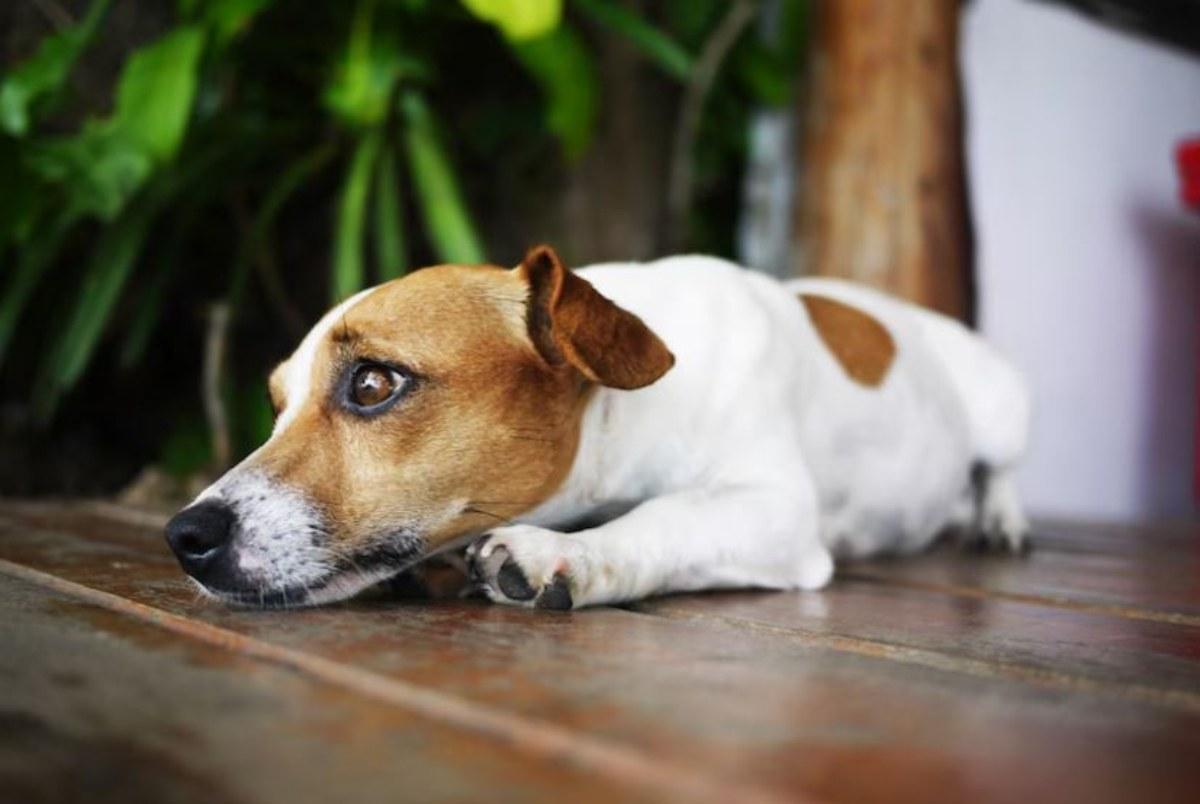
{"x": 251, "y": 540}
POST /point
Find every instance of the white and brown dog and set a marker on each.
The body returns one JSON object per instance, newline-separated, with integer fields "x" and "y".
{"x": 632, "y": 429}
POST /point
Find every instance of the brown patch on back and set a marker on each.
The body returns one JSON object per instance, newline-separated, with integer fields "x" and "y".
{"x": 863, "y": 346}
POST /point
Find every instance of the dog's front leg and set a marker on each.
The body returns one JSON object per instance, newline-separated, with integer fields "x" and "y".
{"x": 681, "y": 542}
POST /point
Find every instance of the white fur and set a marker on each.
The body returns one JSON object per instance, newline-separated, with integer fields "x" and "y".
{"x": 753, "y": 462}
{"x": 279, "y": 532}
{"x": 756, "y": 458}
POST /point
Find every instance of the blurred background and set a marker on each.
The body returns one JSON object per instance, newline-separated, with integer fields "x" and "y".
{"x": 185, "y": 185}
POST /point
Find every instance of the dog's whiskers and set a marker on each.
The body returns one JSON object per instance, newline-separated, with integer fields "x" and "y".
{"x": 345, "y": 557}
{"x": 475, "y": 509}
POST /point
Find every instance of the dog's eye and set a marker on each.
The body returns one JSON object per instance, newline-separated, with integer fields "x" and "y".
{"x": 372, "y": 385}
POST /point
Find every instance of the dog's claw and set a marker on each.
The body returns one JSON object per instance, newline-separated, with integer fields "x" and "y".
{"x": 556, "y": 595}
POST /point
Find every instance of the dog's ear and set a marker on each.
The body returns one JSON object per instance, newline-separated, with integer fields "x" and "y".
{"x": 570, "y": 322}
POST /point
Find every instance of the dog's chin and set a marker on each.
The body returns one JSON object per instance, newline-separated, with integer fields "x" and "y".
{"x": 340, "y": 585}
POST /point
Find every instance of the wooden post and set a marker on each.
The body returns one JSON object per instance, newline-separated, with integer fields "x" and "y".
{"x": 882, "y": 189}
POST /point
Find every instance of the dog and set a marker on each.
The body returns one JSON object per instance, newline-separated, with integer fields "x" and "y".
{"x": 605, "y": 435}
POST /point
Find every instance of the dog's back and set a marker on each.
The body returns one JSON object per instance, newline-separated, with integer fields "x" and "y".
{"x": 891, "y": 408}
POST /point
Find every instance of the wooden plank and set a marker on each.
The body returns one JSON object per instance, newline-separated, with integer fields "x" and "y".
{"x": 1137, "y": 583}
{"x": 1148, "y": 542}
{"x": 1043, "y": 645}
{"x": 99, "y": 707}
{"x": 740, "y": 705}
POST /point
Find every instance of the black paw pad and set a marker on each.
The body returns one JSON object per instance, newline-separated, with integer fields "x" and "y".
{"x": 512, "y": 581}
{"x": 556, "y": 595}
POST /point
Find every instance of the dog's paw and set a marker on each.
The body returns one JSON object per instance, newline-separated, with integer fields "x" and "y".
{"x": 527, "y": 566}
{"x": 1005, "y": 531}
{"x": 1000, "y": 520}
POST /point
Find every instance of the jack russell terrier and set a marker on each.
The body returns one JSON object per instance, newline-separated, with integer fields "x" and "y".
{"x": 600, "y": 436}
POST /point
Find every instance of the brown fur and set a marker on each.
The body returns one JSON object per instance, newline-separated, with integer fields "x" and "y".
{"x": 570, "y": 321}
{"x": 863, "y": 346}
{"x": 490, "y": 428}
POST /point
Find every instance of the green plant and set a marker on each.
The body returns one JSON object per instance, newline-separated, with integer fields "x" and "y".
{"x": 224, "y": 121}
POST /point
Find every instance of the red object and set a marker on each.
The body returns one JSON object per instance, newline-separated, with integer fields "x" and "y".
{"x": 1187, "y": 158}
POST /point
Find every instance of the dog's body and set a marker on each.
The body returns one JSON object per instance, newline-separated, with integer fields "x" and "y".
{"x": 757, "y": 455}
{"x": 799, "y": 422}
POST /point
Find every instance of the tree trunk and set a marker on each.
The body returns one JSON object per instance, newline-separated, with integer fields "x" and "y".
{"x": 882, "y": 189}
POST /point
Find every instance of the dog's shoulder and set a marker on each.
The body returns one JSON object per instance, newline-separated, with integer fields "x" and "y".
{"x": 686, "y": 282}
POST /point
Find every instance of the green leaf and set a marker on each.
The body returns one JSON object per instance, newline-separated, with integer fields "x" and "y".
{"x": 664, "y": 51}
{"x": 106, "y": 274}
{"x": 43, "y": 246}
{"x": 150, "y": 304}
{"x": 154, "y": 96}
{"x": 229, "y": 18}
{"x": 365, "y": 77}
{"x": 45, "y": 73}
{"x": 109, "y": 268}
{"x": 291, "y": 180}
{"x": 348, "y": 273}
{"x": 447, "y": 221}
{"x": 563, "y": 68}
{"x": 277, "y": 196}
{"x": 98, "y": 169}
{"x": 149, "y": 311}
{"x": 34, "y": 259}
{"x": 194, "y": 173}
{"x": 253, "y": 418}
{"x": 188, "y": 448}
{"x": 23, "y": 198}
{"x": 106, "y": 163}
{"x": 794, "y": 31}
{"x": 764, "y": 74}
{"x": 691, "y": 21}
{"x": 389, "y": 218}
{"x": 519, "y": 20}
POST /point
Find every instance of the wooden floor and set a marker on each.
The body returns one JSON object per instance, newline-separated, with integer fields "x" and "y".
{"x": 1072, "y": 674}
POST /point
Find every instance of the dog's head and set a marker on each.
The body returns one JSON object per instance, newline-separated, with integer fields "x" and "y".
{"x": 413, "y": 415}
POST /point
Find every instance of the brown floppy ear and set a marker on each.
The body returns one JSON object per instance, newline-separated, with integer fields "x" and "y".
{"x": 570, "y": 322}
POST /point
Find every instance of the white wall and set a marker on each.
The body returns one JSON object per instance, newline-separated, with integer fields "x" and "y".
{"x": 1089, "y": 270}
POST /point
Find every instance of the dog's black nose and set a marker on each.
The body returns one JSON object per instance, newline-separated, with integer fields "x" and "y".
{"x": 200, "y": 536}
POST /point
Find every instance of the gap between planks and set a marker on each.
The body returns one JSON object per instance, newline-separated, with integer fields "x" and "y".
{"x": 527, "y": 735}
{"x": 1053, "y": 601}
{"x": 1179, "y": 700}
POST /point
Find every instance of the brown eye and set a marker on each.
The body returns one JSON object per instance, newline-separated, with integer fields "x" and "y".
{"x": 372, "y": 385}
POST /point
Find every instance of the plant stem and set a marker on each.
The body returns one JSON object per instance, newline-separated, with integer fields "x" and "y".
{"x": 699, "y": 85}
{"x": 58, "y": 16}
{"x": 215, "y": 350}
